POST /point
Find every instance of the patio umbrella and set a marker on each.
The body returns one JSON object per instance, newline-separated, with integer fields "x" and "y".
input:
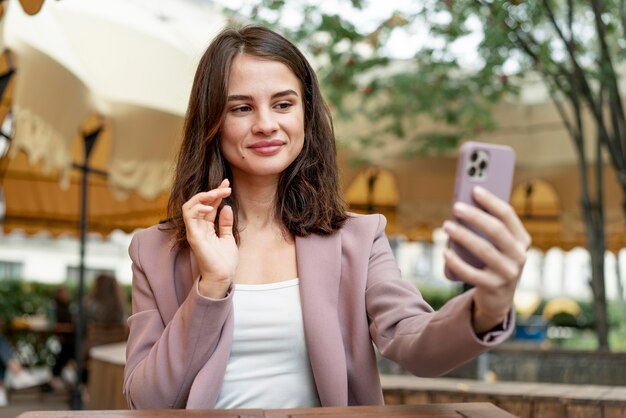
{"x": 101, "y": 86}
{"x": 120, "y": 59}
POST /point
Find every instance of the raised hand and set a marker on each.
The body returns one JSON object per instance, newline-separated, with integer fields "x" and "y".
{"x": 217, "y": 255}
{"x": 504, "y": 259}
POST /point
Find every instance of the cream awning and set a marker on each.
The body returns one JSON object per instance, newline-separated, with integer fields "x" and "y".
{"x": 115, "y": 65}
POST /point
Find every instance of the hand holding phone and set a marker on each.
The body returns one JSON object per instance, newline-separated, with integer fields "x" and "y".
{"x": 489, "y": 166}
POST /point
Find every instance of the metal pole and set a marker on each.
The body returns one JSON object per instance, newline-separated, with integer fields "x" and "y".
{"x": 77, "y": 401}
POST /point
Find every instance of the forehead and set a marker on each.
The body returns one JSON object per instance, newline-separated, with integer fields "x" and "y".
{"x": 250, "y": 74}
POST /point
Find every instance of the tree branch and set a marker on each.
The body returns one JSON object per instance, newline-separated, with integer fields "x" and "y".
{"x": 622, "y": 15}
{"x": 586, "y": 90}
{"x": 607, "y": 69}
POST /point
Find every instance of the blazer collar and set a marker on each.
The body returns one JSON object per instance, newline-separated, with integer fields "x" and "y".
{"x": 319, "y": 269}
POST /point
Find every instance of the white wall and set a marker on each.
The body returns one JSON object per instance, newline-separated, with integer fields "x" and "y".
{"x": 46, "y": 259}
{"x": 551, "y": 274}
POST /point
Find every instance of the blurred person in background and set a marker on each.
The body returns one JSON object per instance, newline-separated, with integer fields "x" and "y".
{"x": 12, "y": 374}
{"x": 106, "y": 305}
{"x": 64, "y": 330}
{"x": 106, "y": 311}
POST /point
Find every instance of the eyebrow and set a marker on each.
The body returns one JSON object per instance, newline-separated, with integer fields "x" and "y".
{"x": 283, "y": 93}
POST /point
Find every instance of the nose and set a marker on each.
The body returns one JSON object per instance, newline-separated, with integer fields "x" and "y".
{"x": 265, "y": 122}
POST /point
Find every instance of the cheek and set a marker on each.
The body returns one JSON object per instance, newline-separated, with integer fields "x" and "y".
{"x": 230, "y": 135}
{"x": 228, "y": 144}
{"x": 299, "y": 128}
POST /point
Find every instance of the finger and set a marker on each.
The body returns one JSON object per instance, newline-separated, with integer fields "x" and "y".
{"x": 226, "y": 221}
{"x": 494, "y": 228}
{"x": 211, "y": 195}
{"x": 468, "y": 273}
{"x": 504, "y": 211}
{"x": 211, "y": 198}
{"x": 224, "y": 183}
{"x": 200, "y": 211}
{"x": 494, "y": 259}
{"x": 203, "y": 198}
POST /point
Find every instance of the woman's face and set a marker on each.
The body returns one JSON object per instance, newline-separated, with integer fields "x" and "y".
{"x": 262, "y": 132}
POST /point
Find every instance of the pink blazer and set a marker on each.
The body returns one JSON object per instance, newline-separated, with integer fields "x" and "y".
{"x": 351, "y": 292}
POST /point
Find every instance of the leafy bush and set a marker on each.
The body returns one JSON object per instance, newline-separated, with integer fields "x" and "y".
{"x": 24, "y": 298}
{"x": 436, "y": 296}
{"x": 20, "y": 297}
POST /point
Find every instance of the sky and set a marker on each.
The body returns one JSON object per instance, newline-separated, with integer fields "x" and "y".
{"x": 402, "y": 44}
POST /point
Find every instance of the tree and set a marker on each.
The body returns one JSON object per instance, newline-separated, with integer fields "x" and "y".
{"x": 574, "y": 45}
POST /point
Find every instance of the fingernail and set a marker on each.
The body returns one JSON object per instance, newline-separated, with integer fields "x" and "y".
{"x": 461, "y": 207}
{"x": 480, "y": 191}
{"x": 449, "y": 226}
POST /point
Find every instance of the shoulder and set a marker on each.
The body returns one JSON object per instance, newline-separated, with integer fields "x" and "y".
{"x": 153, "y": 240}
{"x": 363, "y": 229}
{"x": 359, "y": 223}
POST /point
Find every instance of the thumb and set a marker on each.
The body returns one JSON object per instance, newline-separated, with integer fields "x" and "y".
{"x": 226, "y": 220}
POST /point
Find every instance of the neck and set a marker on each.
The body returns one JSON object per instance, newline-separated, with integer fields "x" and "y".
{"x": 257, "y": 201}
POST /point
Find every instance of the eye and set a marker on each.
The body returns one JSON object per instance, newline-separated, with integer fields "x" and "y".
{"x": 283, "y": 105}
{"x": 241, "y": 109}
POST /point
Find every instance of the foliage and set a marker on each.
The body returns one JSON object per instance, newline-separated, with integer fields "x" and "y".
{"x": 23, "y": 298}
{"x": 438, "y": 296}
{"x": 586, "y": 340}
{"x": 359, "y": 76}
{"x": 575, "y": 46}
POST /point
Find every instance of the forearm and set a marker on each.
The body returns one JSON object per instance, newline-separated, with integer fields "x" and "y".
{"x": 163, "y": 361}
{"x": 433, "y": 343}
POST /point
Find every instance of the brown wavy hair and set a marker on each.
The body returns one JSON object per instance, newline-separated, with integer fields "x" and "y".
{"x": 106, "y": 302}
{"x": 308, "y": 198}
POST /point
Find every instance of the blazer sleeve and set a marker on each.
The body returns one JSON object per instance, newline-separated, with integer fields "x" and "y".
{"x": 407, "y": 330}
{"x": 162, "y": 359}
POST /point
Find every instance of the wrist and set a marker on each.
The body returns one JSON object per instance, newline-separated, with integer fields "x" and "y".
{"x": 214, "y": 289}
{"x": 484, "y": 321}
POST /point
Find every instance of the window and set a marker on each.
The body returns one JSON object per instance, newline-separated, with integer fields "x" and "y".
{"x": 11, "y": 269}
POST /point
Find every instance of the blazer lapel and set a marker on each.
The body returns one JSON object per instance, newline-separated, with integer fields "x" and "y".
{"x": 319, "y": 269}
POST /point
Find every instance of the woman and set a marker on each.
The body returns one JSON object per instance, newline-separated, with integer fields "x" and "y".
{"x": 106, "y": 303}
{"x": 106, "y": 312}
{"x": 261, "y": 291}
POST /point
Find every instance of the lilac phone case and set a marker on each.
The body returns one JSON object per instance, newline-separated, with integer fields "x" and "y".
{"x": 489, "y": 166}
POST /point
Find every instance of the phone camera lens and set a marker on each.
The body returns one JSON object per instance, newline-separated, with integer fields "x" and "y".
{"x": 471, "y": 171}
{"x": 474, "y": 156}
{"x": 483, "y": 164}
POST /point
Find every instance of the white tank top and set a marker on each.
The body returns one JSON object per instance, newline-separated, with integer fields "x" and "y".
{"x": 269, "y": 364}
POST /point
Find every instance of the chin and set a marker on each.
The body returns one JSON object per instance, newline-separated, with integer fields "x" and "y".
{"x": 258, "y": 171}
{"x": 270, "y": 168}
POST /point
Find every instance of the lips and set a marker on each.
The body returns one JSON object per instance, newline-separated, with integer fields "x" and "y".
{"x": 268, "y": 147}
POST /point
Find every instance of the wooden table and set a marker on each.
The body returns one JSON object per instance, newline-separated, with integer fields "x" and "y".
{"x": 106, "y": 371}
{"x": 443, "y": 410}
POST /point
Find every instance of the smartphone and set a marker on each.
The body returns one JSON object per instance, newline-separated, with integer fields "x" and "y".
{"x": 490, "y": 166}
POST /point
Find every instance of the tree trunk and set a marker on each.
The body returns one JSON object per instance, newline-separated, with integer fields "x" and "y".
{"x": 597, "y": 249}
{"x": 593, "y": 212}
